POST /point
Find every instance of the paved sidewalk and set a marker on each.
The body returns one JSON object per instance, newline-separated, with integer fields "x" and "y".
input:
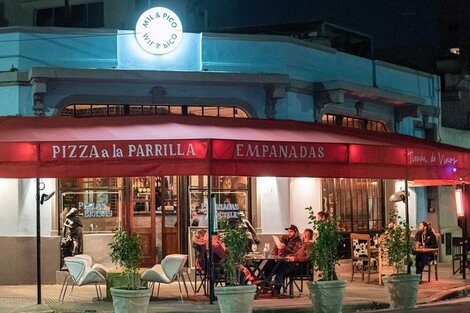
{"x": 359, "y": 296}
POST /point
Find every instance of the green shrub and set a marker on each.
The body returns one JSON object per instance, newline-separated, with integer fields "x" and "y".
{"x": 396, "y": 243}
{"x": 324, "y": 250}
{"x": 235, "y": 241}
{"x": 126, "y": 252}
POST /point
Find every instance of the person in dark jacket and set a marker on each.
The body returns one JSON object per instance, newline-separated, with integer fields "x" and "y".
{"x": 288, "y": 243}
{"x": 425, "y": 238}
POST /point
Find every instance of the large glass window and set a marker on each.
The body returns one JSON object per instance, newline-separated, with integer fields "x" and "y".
{"x": 231, "y": 196}
{"x": 98, "y": 200}
{"x": 357, "y": 202}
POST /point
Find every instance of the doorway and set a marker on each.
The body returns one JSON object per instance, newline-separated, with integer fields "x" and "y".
{"x": 155, "y": 214}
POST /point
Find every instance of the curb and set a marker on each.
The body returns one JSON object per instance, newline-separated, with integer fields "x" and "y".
{"x": 454, "y": 293}
{"x": 347, "y": 307}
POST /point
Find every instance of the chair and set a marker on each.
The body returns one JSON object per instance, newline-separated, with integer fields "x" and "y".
{"x": 432, "y": 263}
{"x": 169, "y": 271}
{"x": 201, "y": 273}
{"x": 97, "y": 266}
{"x": 299, "y": 271}
{"x": 80, "y": 274}
{"x": 457, "y": 254}
{"x": 361, "y": 256}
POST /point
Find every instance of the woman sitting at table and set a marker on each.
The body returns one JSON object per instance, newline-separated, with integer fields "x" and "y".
{"x": 199, "y": 243}
{"x": 425, "y": 238}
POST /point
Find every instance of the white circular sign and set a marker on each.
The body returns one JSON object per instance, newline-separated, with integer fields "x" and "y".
{"x": 158, "y": 30}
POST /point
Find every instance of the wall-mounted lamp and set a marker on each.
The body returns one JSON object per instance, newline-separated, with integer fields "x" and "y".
{"x": 459, "y": 201}
{"x": 45, "y": 196}
{"x": 398, "y": 196}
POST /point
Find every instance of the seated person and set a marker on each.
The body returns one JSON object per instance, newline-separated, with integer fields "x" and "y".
{"x": 218, "y": 252}
{"x": 218, "y": 249}
{"x": 425, "y": 238}
{"x": 288, "y": 243}
{"x": 199, "y": 243}
{"x": 302, "y": 250}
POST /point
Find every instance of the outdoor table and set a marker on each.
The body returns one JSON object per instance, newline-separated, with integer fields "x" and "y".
{"x": 257, "y": 265}
{"x": 426, "y": 250}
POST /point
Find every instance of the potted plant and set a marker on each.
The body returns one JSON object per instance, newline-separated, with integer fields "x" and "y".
{"x": 234, "y": 297}
{"x": 126, "y": 252}
{"x": 395, "y": 248}
{"x": 327, "y": 293}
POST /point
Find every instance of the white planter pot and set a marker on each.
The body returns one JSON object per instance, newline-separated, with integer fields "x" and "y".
{"x": 402, "y": 290}
{"x": 135, "y": 301}
{"x": 235, "y": 298}
{"x": 327, "y": 296}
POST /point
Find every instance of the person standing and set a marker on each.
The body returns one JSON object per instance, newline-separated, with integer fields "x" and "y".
{"x": 425, "y": 238}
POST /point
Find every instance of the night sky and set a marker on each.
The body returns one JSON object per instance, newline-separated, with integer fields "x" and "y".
{"x": 390, "y": 22}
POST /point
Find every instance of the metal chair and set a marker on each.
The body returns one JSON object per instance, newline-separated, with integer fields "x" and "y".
{"x": 457, "y": 254}
{"x": 432, "y": 263}
{"x": 80, "y": 274}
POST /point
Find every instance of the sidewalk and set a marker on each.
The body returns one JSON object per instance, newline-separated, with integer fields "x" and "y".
{"x": 359, "y": 296}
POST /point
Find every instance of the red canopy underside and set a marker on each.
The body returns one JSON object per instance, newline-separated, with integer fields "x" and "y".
{"x": 175, "y": 145}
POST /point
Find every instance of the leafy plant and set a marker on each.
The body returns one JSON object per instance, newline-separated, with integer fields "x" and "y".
{"x": 324, "y": 250}
{"x": 126, "y": 252}
{"x": 235, "y": 240}
{"x": 396, "y": 243}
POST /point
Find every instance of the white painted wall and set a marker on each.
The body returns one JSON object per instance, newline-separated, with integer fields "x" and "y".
{"x": 273, "y": 204}
{"x": 18, "y": 207}
{"x": 8, "y": 207}
{"x": 400, "y": 185}
{"x": 304, "y": 192}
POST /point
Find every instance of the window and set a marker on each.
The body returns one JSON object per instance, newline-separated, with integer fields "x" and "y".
{"x": 89, "y": 110}
{"x": 99, "y": 201}
{"x": 88, "y": 15}
{"x": 357, "y": 202}
{"x": 231, "y": 196}
{"x": 353, "y": 122}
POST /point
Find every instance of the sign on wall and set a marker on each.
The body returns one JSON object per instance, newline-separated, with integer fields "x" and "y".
{"x": 158, "y": 30}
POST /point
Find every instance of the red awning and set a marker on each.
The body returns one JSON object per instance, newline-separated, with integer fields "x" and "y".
{"x": 178, "y": 145}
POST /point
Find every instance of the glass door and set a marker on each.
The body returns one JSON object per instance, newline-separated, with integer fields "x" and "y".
{"x": 169, "y": 201}
{"x": 142, "y": 219}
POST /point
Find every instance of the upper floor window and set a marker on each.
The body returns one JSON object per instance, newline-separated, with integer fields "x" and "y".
{"x": 86, "y": 15}
{"x": 353, "y": 122}
{"x": 89, "y": 110}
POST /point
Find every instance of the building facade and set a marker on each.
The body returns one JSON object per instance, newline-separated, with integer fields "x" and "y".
{"x": 95, "y": 72}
